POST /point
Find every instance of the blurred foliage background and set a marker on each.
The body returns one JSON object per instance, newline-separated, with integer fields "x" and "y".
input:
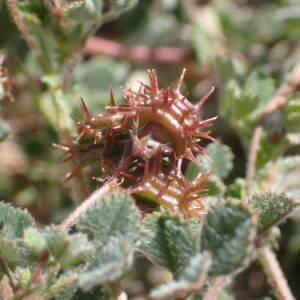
{"x": 246, "y": 49}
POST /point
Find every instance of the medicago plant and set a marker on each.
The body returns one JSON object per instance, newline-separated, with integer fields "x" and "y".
{"x": 140, "y": 198}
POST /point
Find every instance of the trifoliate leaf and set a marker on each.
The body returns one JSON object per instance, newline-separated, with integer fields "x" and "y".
{"x": 192, "y": 278}
{"x": 167, "y": 241}
{"x": 13, "y": 221}
{"x": 114, "y": 216}
{"x": 273, "y": 208}
{"x": 112, "y": 262}
{"x": 228, "y": 233}
{"x": 79, "y": 251}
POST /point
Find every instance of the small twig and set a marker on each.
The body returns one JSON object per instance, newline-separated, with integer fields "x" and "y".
{"x": 39, "y": 268}
{"x": 216, "y": 287}
{"x": 168, "y": 55}
{"x": 279, "y": 100}
{"x": 274, "y": 274}
{"x": 16, "y": 15}
{"x": 266, "y": 255}
{"x": 86, "y": 204}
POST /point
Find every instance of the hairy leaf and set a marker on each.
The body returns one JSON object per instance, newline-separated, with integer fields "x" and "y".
{"x": 9, "y": 252}
{"x": 79, "y": 251}
{"x": 192, "y": 278}
{"x": 112, "y": 262}
{"x": 273, "y": 208}
{"x": 114, "y": 216}
{"x": 13, "y": 221}
{"x": 57, "y": 241}
{"x": 167, "y": 241}
{"x": 281, "y": 175}
{"x": 228, "y": 233}
{"x": 221, "y": 161}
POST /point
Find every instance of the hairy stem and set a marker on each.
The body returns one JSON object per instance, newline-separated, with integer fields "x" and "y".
{"x": 86, "y": 204}
{"x": 265, "y": 254}
{"x": 6, "y": 291}
{"x": 16, "y": 15}
{"x": 274, "y": 273}
{"x": 252, "y": 158}
{"x": 216, "y": 287}
{"x": 279, "y": 100}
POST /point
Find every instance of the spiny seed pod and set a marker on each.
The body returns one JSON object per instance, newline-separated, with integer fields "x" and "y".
{"x": 143, "y": 141}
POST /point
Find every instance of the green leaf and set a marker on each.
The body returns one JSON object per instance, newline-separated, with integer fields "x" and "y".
{"x": 222, "y": 161}
{"x": 82, "y": 11}
{"x": 260, "y": 86}
{"x": 34, "y": 240}
{"x": 95, "y": 92}
{"x": 192, "y": 278}
{"x": 13, "y": 221}
{"x": 80, "y": 250}
{"x": 222, "y": 157}
{"x": 113, "y": 216}
{"x": 113, "y": 261}
{"x": 57, "y": 241}
{"x": 237, "y": 189}
{"x": 9, "y": 252}
{"x": 281, "y": 175}
{"x": 243, "y": 101}
{"x": 273, "y": 208}
{"x": 122, "y": 5}
{"x": 64, "y": 288}
{"x": 228, "y": 233}
{"x": 73, "y": 293}
{"x": 167, "y": 241}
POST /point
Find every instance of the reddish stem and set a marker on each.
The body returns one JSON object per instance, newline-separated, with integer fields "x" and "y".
{"x": 167, "y": 55}
{"x": 86, "y": 204}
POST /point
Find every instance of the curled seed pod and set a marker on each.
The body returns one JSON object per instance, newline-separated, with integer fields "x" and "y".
{"x": 176, "y": 193}
{"x": 143, "y": 141}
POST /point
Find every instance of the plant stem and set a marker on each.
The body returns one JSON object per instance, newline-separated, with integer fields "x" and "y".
{"x": 16, "y": 15}
{"x": 279, "y": 100}
{"x": 86, "y": 204}
{"x": 6, "y": 291}
{"x": 266, "y": 255}
{"x": 215, "y": 288}
{"x": 274, "y": 273}
{"x": 167, "y": 55}
{"x": 252, "y": 158}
